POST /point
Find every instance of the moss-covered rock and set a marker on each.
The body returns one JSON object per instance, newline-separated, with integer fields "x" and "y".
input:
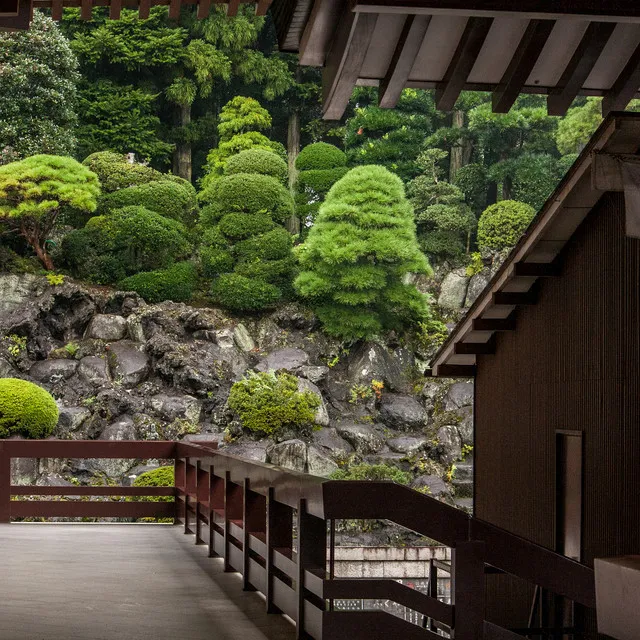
{"x": 26, "y": 409}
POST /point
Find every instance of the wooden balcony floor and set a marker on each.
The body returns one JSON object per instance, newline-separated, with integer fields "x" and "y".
{"x": 122, "y": 582}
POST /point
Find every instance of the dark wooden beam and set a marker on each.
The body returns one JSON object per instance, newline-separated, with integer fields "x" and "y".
{"x": 345, "y": 60}
{"x": 115, "y": 8}
{"x": 464, "y": 58}
{"x": 204, "y": 7}
{"x": 521, "y": 65}
{"x": 411, "y": 38}
{"x": 624, "y": 88}
{"x": 56, "y": 10}
{"x": 262, "y": 6}
{"x": 86, "y": 8}
{"x": 495, "y": 324}
{"x": 475, "y": 348}
{"x": 232, "y": 8}
{"x": 143, "y": 9}
{"x": 515, "y": 297}
{"x": 580, "y": 66}
{"x": 537, "y": 269}
{"x": 456, "y": 370}
{"x": 174, "y": 9}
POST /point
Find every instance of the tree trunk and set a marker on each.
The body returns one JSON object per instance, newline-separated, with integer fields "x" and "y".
{"x": 292, "y": 223}
{"x": 182, "y": 154}
{"x": 36, "y": 239}
{"x": 457, "y": 151}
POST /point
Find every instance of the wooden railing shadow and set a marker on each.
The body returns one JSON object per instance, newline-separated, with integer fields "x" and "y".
{"x": 277, "y": 529}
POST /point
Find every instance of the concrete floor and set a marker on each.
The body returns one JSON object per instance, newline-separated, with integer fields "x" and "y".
{"x": 122, "y": 582}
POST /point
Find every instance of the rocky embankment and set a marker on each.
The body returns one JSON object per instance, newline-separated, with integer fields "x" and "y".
{"x": 122, "y": 369}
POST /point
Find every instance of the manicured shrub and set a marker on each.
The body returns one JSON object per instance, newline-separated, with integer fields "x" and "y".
{"x": 115, "y": 172}
{"x": 177, "y": 283}
{"x": 160, "y": 477}
{"x": 251, "y": 193}
{"x": 269, "y": 402}
{"x": 127, "y": 241}
{"x": 319, "y": 181}
{"x": 238, "y": 226}
{"x": 259, "y": 161}
{"x": 210, "y": 214}
{"x": 235, "y": 292}
{"x": 320, "y": 155}
{"x": 215, "y": 261}
{"x": 168, "y": 198}
{"x": 374, "y": 472}
{"x": 356, "y": 256}
{"x": 502, "y": 224}
{"x": 26, "y": 409}
{"x": 273, "y": 245}
{"x": 277, "y": 272}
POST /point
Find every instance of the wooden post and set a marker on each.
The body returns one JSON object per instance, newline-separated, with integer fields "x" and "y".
{"x": 5, "y": 484}
{"x": 279, "y": 535}
{"x": 179, "y": 475}
{"x": 197, "y": 492}
{"x": 233, "y": 507}
{"x": 468, "y": 590}
{"x": 254, "y": 520}
{"x": 312, "y": 553}
{"x": 212, "y": 479}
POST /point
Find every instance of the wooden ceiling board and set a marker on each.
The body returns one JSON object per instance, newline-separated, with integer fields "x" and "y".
{"x": 614, "y": 57}
{"x": 383, "y": 44}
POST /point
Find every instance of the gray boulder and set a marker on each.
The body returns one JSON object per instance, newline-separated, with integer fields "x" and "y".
{"x": 249, "y": 450}
{"x": 402, "y": 412}
{"x": 134, "y": 328}
{"x": 449, "y": 443}
{"x": 16, "y": 290}
{"x": 107, "y": 327}
{"x": 243, "y": 338}
{"x": 129, "y": 365}
{"x": 71, "y": 419}
{"x": 362, "y": 437}
{"x": 453, "y": 290}
{"x": 477, "y": 285}
{"x": 436, "y": 487}
{"x": 373, "y": 362}
{"x": 319, "y": 463}
{"x": 224, "y": 338}
{"x": 315, "y": 374}
{"x": 94, "y": 371}
{"x": 322, "y": 415}
{"x": 123, "y": 429}
{"x": 408, "y": 444}
{"x": 460, "y": 394}
{"x": 289, "y": 359}
{"x": 290, "y": 454}
{"x": 171, "y": 407}
{"x": 329, "y": 440}
{"x": 52, "y": 371}
{"x": 6, "y": 370}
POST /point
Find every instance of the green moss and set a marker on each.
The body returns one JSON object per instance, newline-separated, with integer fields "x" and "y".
{"x": 160, "y": 477}
{"x": 366, "y": 471}
{"x": 26, "y": 409}
{"x": 269, "y": 402}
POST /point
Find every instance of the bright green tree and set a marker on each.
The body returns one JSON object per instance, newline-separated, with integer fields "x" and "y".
{"x": 38, "y": 78}
{"x": 34, "y": 191}
{"x": 502, "y": 224}
{"x": 445, "y": 222}
{"x": 357, "y": 255}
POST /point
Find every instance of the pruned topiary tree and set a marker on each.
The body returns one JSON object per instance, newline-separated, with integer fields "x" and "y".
{"x": 502, "y": 224}
{"x": 26, "y": 409}
{"x": 357, "y": 255}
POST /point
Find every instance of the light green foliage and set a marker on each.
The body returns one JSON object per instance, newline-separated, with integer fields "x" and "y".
{"x": 269, "y": 402}
{"x": 120, "y": 118}
{"x": 168, "y": 198}
{"x": 160, "y": 477}
{"x": 26, "y": 410}
{"x": 320, "y": 155}
{"x": 375, "y": 472}
{"x": 115, "y": 172}
{"x": 431, "y": 334}
{"x": 127, "y": 241}
{"x": 476, "y": 264}
{"x": 357, "y": 254}
{"x": 38, "y": 97}
{"x": 55, "y": 279}
{"x": 239, "y": 293}
{"x": 259, "y": 161}
{"x": 176, "y": 283}
{"x": 578, "y": 126}
{"x": 34, "y": 191}
{"x": 239, "y": 226}
{"x": 445, "y": 222}
{"x": 242, "y": 114}
{"x": 502, "y": 224}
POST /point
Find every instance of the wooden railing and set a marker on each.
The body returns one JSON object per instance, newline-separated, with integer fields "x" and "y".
{"x": 277, "y": 529}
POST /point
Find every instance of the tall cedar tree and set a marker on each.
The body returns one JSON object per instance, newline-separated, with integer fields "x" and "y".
{"x": 357, "y": 255}
{"x": 33, "y": 193}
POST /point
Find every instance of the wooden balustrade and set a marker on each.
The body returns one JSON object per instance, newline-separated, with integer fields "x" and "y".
{"x": 244, "y": 512}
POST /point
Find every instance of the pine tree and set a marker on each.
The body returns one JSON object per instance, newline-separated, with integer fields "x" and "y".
{"x": 357, "y": 256}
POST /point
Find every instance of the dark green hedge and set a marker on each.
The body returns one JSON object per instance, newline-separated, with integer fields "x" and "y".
{"x": 273, "y": 245}
{"x": 258, "y": 161}
{"x": 238, "y": 226}
{"x": 320, "y": 155}
{"x": 176, "y": 283}
{"x": 238, "y": 293}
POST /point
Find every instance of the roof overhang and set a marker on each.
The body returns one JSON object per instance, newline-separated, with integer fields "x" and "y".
{"x": 560, "y": 48}
{"x": 537, "y": 254}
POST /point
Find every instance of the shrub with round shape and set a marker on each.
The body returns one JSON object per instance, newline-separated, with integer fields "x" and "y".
{"x": 26, "y": 409}
{"x": 235, "y": 292}
{"x": 502, "y": 224}
{"x": 269, "y": 402}
{"x": 210, "y": 214}
{"x": 160, "y": 477}
{"x": 238, "y": 226}
{"x": 215, "y": 261}
{"x": 273, "y": 245}
{"x": 277, "y": 272}
{"x": 115, "y": 172}
{"x": 259, "y": 161}
{"x": 177, "y": 283}
{"x": 168, "y": 198}
{"x": 251, "y": 193}
{"x": 320, "y": 155}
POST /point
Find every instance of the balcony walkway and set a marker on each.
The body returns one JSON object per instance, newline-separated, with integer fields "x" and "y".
{"x": 122, "y": 582}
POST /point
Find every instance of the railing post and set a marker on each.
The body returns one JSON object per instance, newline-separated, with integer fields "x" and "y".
{"x": 180, "y": 484}
{"x": 233, "y": 501}
{"x": 197, "y": 492}
{"x": 468, "y": 589}
{"x": 212, "y": 480}
{"x": 254, "y": 517}
{"x": 279, "y": 535}
{"x": 5, "y": 484}
{"x": 312, "y": 553}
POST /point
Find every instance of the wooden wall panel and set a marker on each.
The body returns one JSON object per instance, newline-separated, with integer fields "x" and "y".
{"x": 573, "y": 363}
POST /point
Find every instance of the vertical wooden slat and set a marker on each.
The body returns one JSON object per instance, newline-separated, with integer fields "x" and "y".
{"x": 262, "y": 6}
{"x": 115, "y": 7}
{"x": 468, "y": 590}
{"x": 233, "y": 508}
{"x": 232, "y": 8}
{"x": 174, "y": 9}
{"x": 254, "y": 520}
{"x": 279, "y": 535}
{"x": 211, "y": 487}
{"x": 5, "y": 484}
{"x": 180, "y": 483}
{"x": 85, "y": 9}
{"x": 56, "y": 10}
{"x": 204, "y": 7}
{"x": 143, "y": 9}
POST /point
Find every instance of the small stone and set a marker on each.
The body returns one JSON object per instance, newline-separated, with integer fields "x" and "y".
{"x": 243, "y": 338}
{"x": 128, "y": 364}
{"x": 53, "y": 371}
{"x": 290, "y": 454}
{"x": 450, "y": 444}
{"x": 402, "y": 412}
{"x": 436, "y": 486}
{"x": 16, "y": 290}
{"x": 6, "y": 370}
{"x": 288, "y": 359}
{"x": 224, "y": 338}
{"x": 171, "y": 407}
{"x": 249, "y": 450}
{"x": 107, "y": 327}
{"x": 205, "y": 334}
{"x": 408, "y": 444}
{"x": 94, "y": 371}
{"x": 329, "y": 439}
{"x": 134, "y": 328}
{"x": 123, "y": 429}
{"x": 319, "y": 463}
{"x": 72, "y": 418}
{"x": 315, "y": 374}
{"x": 363, "y": 438}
